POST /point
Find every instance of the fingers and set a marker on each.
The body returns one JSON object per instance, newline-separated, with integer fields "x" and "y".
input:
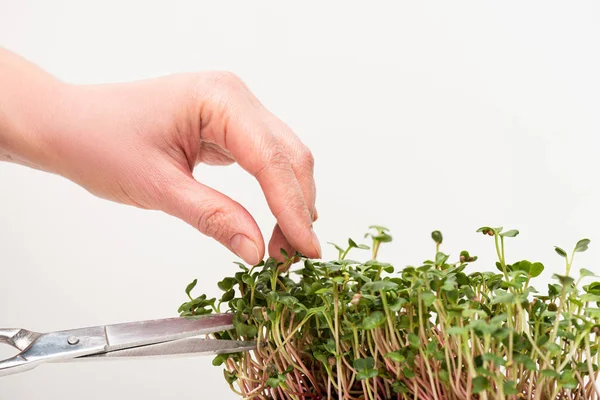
{"x": 268, "y": 150}
{"x": 217, "y": 216}
{"x": 278, "y": 242}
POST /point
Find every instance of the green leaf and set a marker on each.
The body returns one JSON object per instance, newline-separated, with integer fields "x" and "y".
{"x": 456, "y": 330}
{"x": 408, "y": 373}
{"x": 567, "y": 380}
{"x": 428, "y": 298}
{"x": 480, "y": 384}
{"x": 397, "y": 304}
{"x": 366, "y": 374}
{"x": 226, "y": 284}
{"x": 560, "y": 252}
{"x": 526, "y": 361}
{"x": 563, "y": 279}
{"x": 372, "y": 321}
{"x": 288, "y": 300}
{"x": 510, "y": 388}
{"x": 247, "y": 279}
{"x": 230, "y": 377}
{"x": 284, "y": 253}
{"x": 413, "y": 340}
{"x": 587, "y": 297}
{"x": 497, "y": 360}
{"x": 189, "y": 287}
{"x": 396, "y": 356}
{"x": 338, "y": 248}
{"x": 443, "y": 375}
{"x": 248, "y": 331}
{"x": 582, "y": 245}
{"x": 378, "y": 286}
{"x": 437, "y": 237}
{"x": 536, "y": 269}
{"x": 504, "y": 298}
{"x": 400, "y": 387}
{"x": 220, "y": 359}
{"x": 276, "y": 381}
{"x": 361, "y": 364}
{"x": 586, "y": 272}
{"x": 229, "y": 295}
{"x": 511, "y": 233}
{"x": 549, "y": 373}
{"x": 592, "y": 312}
{"x": 553, "y": 348}
{"x": 352, "y": 243}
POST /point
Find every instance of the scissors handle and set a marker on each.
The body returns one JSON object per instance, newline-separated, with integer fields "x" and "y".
{"x": 7, "y": 336}
{"x": 18, "y": 338}
{"x": 15, "y": 365}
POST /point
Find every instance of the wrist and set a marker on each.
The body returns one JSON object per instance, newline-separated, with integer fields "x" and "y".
{"x": 32, "y": 103}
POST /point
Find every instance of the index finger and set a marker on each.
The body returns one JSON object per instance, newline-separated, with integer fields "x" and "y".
{"x": 263, "y": 156}
{"x": 238, "y": 122}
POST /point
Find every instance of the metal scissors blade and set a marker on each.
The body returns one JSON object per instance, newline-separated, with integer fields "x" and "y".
{"x": 183, "y": 347}
{"x": 133, "y": 339}
{"x": 133, "y": 334}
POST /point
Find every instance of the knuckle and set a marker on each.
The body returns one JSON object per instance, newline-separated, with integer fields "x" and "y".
{"x": 213, "y": 223}
{"x": 277, "y": 159}
{"x": 307, "y": 158}
{"x": 226, "y": 79}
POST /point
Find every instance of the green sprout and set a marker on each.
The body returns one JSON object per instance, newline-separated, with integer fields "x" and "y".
{"x": 346, "y": 329}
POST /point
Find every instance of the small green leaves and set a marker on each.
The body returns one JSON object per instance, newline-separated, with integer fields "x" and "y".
{"x": 229, "y": 295}
{"x": 486, "y": 230}
{"x": 379, "y": 286}
{"x": 275, "y": 381}
{"x": 226, "y": 284}
{"x": 246, "y": 331}
{"x": 536, "y": 269}
{"x": 413, "y": 340}
{"x": 456, "y": 330}
{"x": 582, "y": 245}
{"x": 428, "y": 298}
{"x": 361, "y": 364}
{"x": 511, "y": 233}
{"x": 550, "y": 373}
{"x": 375, "y": 319}
{"x": 503, "y": 297}
{"x": 191, "y": 286}
{"x": 382, "y": 234}
{"x": 563, "y": 279}
{"x": 365, "y": 368}
{"x": 567, "y": 380}
{"x": 381, "y": 329}
{"x": 396, "y": 356}
{"x": 510, "y": 388}
{"x": 586, "y": 272}
{"x": 560, "y": 252}
{"x": 480, "y": 384}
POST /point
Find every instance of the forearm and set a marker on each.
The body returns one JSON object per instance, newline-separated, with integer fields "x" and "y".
{"x": 30, "y": 101}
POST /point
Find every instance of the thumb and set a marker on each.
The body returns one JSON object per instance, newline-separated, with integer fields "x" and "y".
{"x": 218, "y": 216}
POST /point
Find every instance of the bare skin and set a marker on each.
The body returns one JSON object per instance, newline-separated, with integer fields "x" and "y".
{"x": 137, "y": 143}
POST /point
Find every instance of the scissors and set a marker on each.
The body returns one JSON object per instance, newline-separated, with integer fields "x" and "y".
{"x": 162, "y": 337}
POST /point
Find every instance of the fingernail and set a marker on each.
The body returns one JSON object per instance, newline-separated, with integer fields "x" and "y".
{"x": 315, "y": 242}
{"x": 245, "y": 249}
{"x": 315, "y": 214}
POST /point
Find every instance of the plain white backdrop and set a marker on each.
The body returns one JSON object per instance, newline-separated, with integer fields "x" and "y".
{"x": 421, "y": 116}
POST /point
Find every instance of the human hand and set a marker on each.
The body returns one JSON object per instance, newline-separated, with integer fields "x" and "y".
{"x": 138, "y": 143}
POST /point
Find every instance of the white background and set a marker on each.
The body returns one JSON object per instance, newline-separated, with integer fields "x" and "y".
{"x": 421, "y": 116}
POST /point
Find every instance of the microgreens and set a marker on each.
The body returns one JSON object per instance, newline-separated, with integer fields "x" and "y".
{"x": 358, "y": 330}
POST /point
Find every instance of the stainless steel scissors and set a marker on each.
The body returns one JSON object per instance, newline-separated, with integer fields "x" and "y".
{"x": 163, "y": 337}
